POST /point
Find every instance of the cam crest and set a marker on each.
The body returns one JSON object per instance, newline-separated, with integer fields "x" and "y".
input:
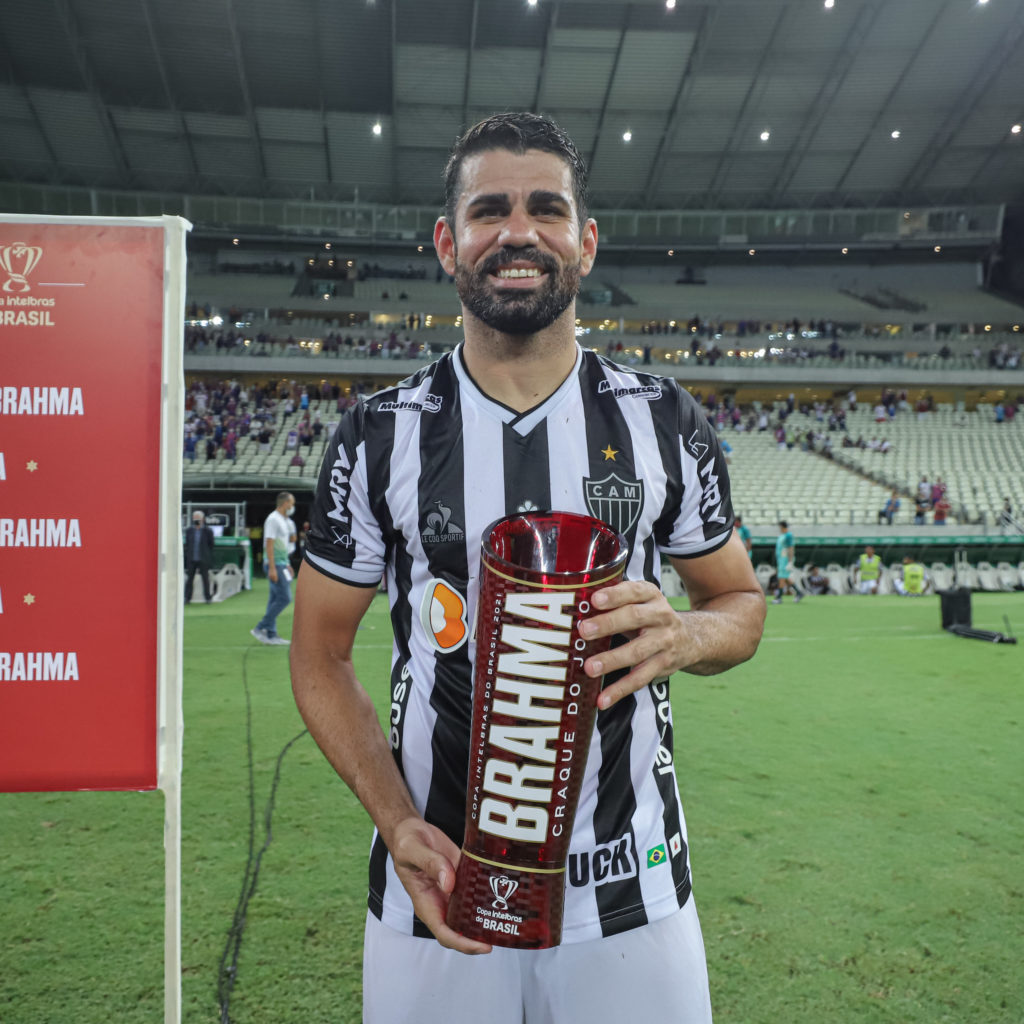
{"x": 614, "y": 500}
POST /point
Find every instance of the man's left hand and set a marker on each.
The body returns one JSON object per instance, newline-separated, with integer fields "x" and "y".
{"x": 721, "y": 629}
{"x": 658, "y": 642}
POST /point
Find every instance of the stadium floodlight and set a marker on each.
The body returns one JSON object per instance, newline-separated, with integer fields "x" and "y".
{"x": 670, "y": 4}
{"x": 765, "y": 135}
{"x": 377, "y": 129}
{"x": 829, "y": 4}
{"x": 627, "y": 136}
{"x": 895, "y": 133}
{"x": 1015, "y": 129}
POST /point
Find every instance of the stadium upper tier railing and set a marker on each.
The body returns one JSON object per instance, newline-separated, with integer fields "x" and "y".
{"x": 881, "y": 228}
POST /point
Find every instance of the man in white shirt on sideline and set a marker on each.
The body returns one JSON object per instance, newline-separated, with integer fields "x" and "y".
{"x": 278, "y": 544}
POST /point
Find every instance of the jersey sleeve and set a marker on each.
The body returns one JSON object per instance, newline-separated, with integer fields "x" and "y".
{"x": 703, "y": 521}
{"x": 345, "y": 540}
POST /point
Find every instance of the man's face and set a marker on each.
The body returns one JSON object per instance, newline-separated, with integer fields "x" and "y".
{"x": 516, "y": 249}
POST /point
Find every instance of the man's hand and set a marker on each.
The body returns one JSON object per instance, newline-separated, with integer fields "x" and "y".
{"x": 722, "y": 628}
{"x": 272, "y": 573}
{"x": 658, "y": 643}
{"x": 426, "y": 859}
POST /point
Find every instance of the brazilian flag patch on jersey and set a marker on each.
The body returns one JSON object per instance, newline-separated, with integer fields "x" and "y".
{"x": 656, "y": 856}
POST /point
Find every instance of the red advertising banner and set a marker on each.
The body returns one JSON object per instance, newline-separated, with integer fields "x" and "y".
{"x": 81, "y": 330}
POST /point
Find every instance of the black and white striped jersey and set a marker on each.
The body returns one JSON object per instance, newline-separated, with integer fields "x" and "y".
{"x": 411, "y": 479}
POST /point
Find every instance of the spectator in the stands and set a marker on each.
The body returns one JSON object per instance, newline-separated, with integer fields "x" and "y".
{"x": 892, "y": 506}
{"x": 920, "y": 510}
{"x": 940, "y": 511}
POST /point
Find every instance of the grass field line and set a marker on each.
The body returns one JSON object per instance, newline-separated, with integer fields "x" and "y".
{"x": 857, "y": 638}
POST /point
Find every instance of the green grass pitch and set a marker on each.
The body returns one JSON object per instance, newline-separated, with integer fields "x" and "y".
{"x": 854, "y": 804}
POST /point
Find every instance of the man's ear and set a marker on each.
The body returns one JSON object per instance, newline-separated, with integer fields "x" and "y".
{"x": 444, "y": 244}
{"x": 589, "y": 241}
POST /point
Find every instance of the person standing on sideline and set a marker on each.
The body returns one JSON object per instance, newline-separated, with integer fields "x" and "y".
{"x": 785, "y": 561}
{"x": 198, "y": 555}
{"x": 868, "y": 571}
{"x": 278, "y": 544}
{"x": 518, "y": 416}
{"x": 744, "y": 532}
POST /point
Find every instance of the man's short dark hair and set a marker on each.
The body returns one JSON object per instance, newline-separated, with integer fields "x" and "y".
{"x": 516, "y": 132}
{"x": 282, "y": 497}
{"x": 784, "y": 524}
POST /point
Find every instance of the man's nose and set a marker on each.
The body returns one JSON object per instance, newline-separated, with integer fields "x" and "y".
{"x": 518, "y": 229}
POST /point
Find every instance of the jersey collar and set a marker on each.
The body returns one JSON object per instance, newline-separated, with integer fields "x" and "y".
{"x": 521, "y": 422}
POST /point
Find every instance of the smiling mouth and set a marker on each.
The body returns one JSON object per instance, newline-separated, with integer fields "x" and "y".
{"x": 514, "y": 273}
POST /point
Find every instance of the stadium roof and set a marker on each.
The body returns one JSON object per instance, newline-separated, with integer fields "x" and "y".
{"x": 271, "y": 98}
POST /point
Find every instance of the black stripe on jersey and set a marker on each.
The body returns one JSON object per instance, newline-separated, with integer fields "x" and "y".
{"x": 526, "y": 469}
{"x": 620, "y": 903}
{"x": 442, "y": 509}
{"x": 666, "y": 433}
{"x": 701, "y": 441}
{"x": 664, "y": 778}
{"x": 331, "y": 520}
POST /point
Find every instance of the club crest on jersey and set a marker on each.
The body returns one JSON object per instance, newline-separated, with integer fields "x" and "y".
{"x": 439, "y": 527}
{"x": 614, "y": 500}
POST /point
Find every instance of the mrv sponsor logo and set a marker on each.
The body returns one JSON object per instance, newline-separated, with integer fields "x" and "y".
{"x": 610, "y": 862}
{"x": 711, "y": 495}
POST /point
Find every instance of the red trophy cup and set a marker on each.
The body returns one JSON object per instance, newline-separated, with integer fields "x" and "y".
{"x": 533, "y": 716}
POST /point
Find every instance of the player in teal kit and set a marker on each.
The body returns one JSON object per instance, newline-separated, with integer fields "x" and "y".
{"x": 784, "y": 561}
{"x": 744, "y": 532}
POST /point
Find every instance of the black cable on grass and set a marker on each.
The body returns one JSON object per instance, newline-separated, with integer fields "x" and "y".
{"x": 227, "y": 974}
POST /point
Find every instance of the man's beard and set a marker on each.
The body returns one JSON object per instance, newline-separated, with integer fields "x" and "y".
{"x": 517, "y": 311}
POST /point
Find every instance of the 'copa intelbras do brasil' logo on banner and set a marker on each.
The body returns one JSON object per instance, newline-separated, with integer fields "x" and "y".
{"x": 18, "y": 260}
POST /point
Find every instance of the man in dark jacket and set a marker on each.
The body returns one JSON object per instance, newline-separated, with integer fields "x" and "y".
{"x": 198, "y": 555}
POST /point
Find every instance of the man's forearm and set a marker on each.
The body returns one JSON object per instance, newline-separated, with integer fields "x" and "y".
{"x": 723, "y": 632}
{"x": 343, "y": 721}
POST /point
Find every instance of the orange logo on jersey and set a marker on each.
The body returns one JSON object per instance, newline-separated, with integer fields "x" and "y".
{"x": 443, "y": 614}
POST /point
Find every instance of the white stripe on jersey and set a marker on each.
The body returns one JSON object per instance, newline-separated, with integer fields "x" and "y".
{"x": 568, "y": 462}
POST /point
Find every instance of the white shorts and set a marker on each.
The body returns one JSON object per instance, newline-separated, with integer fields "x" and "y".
{"x": 653, "y": 973}
{"x": 867, "y": 586}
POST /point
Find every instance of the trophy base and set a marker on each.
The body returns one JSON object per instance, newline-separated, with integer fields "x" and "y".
{"x": 507, "y": 906}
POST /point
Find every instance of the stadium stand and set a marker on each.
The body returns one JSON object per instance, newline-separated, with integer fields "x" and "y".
{"x": 979, "y": 459}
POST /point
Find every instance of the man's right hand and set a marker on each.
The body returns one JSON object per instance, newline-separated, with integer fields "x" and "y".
{"x": 425, "y": 860}
{"x": 272, "y": 573}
